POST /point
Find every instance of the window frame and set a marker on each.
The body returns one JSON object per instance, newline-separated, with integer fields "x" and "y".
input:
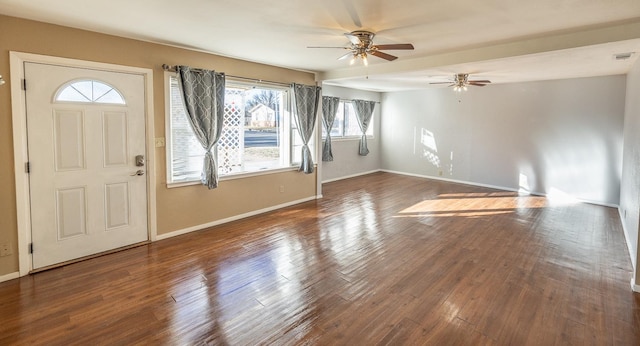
{"x": 288, "y": 127}
{"x": 344, "y": 137}
{"x": 71, "y": 84}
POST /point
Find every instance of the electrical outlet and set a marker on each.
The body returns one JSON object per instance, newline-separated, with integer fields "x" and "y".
{"x": 5, "y": 249}
{"x": 281, "y": 188}
{"x": 440, "y": 172}
{"x": 159, "y": 142}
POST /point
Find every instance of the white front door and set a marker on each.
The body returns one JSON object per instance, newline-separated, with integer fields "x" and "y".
{"x": 85, "y": 128}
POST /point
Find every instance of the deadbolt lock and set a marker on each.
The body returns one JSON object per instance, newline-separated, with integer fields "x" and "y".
{"x": 139, "y": 160}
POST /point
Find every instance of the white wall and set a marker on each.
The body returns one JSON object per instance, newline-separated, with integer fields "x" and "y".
{"x": 346, "y": 161}
{"x": 560, "y": 136}
{"x": 630, "y": 183}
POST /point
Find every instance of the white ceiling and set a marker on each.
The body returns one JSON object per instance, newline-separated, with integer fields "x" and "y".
{"x": 502, "y": 40}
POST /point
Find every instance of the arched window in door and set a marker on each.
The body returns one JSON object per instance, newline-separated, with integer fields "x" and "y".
{"x": 89, "y": 91}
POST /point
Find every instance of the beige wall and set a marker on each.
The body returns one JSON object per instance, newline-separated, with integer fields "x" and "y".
{"x": 177, "y": 208}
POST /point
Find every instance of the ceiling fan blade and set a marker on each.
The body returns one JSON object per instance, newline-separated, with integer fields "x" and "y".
{"x": 348, "y": 55}
{"x": 382, "y": 55}
{"x": 393, "y": 46}
{"x": 440, "y": 83}
{"x": 480, "y": 81}
{"x": 476, "y": 84}
{"x": 354, "y": 39}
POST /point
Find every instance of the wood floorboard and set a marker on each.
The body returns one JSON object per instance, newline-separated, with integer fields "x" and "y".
{"x": 382, "y": 259}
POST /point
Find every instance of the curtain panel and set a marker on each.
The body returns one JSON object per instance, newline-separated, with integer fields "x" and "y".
{"x": 329, "y": 111}
{"x": 305, "y": 100}
{"x": 364, "y": 112}
{"x": 203, "y": 96}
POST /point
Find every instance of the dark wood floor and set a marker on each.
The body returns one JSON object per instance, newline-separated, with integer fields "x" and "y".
{"x": 382, "y": 259}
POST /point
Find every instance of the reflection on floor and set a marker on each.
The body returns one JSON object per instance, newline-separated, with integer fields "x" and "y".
{"x": 381, "y": 259}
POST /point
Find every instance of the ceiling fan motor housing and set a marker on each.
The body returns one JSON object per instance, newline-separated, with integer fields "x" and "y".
{"x": 365, "y": 37}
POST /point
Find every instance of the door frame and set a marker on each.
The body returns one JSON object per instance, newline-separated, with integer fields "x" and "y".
{"x": 17, "y": 62}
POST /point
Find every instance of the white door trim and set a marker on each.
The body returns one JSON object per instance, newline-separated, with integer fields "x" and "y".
{"x": 20, "y": 154}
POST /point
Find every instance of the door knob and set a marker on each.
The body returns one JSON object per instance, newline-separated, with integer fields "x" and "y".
{"x": 138, "y": 172}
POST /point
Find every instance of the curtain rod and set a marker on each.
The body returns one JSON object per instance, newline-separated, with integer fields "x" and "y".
{"x": 173, "y": 69}
{"x": 343, "y": 99}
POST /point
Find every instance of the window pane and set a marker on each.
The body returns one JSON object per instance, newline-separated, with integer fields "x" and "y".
{"x": 187, "y": 153}
{"x": 338, "y": 123}
{"x": 230, "y": 144}
{"x": 351, "y": 127}
{"x": 70, "y": 94}
{"x": 88, "y": 91}
{"x": 262, "y": 133}
{"x": 346, "y": 123}
{"x": 255, "y": 135}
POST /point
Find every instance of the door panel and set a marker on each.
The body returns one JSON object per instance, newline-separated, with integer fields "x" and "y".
{"x": 117, "y": 202}
{"x": 115, "y": 138}
{"x": 85, "y": 197}
{"x": 68, "y": 138}
{"x": 71, "y": 212}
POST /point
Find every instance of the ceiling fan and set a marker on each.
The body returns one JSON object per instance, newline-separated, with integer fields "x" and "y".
{"x": 362, "y": 46}
{"x": 461, "y": 81}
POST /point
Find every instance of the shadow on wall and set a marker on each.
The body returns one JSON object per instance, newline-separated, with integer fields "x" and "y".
{"x": 587, "y": 167}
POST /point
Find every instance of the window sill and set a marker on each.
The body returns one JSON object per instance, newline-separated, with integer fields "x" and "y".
{"x": 235, "y": 176}
{"x": 346, "y": 139}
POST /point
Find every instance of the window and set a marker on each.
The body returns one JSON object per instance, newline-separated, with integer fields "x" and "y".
{"x": 346, "y": 123}
{"x": 89, "y": 91}
{"x": 258, "y": 133}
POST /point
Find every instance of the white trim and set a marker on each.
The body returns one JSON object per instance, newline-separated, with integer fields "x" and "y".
{"x": 19, "y": 116}
{"x": 166, "y": 81}
{"x": 495, "y": 187}
{"x": 232, "y": 218}
{"x": 349, "y": 138}
{"x": 9, "y": 276}
{"x": 18, "y": 110}
{"x": 627, "y": 240}
{"x": 634, "y": 287}
{"x": 235, "y": 176}
{"x": 351, "y": 176}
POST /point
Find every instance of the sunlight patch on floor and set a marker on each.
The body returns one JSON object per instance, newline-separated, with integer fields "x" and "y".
{"x": 473, "y": 205}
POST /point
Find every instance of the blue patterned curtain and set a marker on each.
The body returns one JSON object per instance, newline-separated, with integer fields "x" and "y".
{"x": 329, "y": 110}
{"x": 364, "y": 112}
{"x": 306, "y": 99}
{"x": 203, "y": 94}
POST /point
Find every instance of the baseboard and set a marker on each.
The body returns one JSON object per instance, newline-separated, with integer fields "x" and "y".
{"x": 628, "y": 241}
{"x": 634, "y": 287}
{"x": 232, "y": 218}
{"x": 350, "y": 176}
{"x": 10, "y": 276}
{"x": 503, "y": 188}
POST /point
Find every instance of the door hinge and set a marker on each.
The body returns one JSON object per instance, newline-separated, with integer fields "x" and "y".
{"x": 24, "y": 84}
{"x": 27, "y": 167}
{"x": 30, "y": 247}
